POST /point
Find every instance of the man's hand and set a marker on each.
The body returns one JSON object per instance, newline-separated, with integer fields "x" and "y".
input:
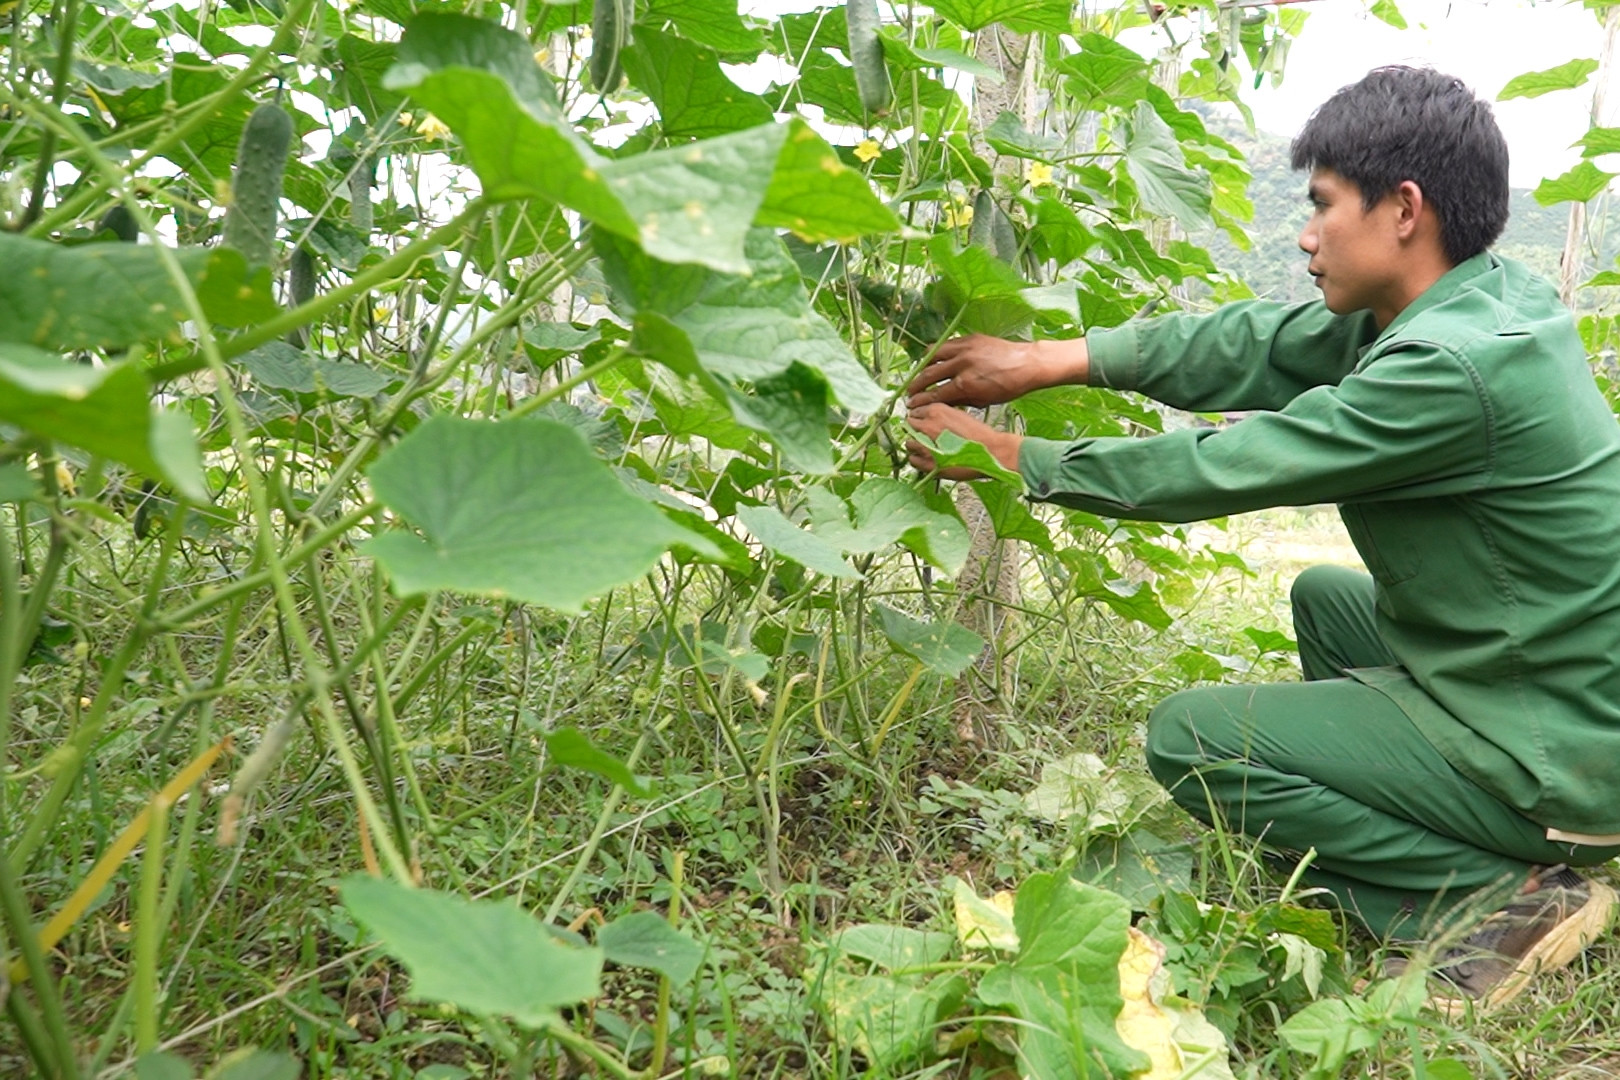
{"x": 931, "y": 420}
{"x": 981, "y": 370}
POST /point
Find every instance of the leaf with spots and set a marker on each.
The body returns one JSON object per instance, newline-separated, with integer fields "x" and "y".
{"x": 110, "y": 296}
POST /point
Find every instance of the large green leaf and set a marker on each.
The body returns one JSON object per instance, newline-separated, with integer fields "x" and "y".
{"x": 758, "y": 329}
{"x": 942, "y": 646}
{"x": 1157, "y": 165}
{"x": 110, "y": 296}
{"x": 482, "y": 956}
{"x": 106, "y": 411}
{"x": 885, "y": 511}
{"x": 893, "y": 947}
{"x": 280, "y": 366}
{"x": 519, "y": 510}
{"x": 1022, "y": 15}
{"x": 690, "y": 203}
{"x": 981, "y": 292}
{"x": 1566, "y": 76}
{"x": 714, "y": 23}
{"x": 693, "y": 96}
{"x": 1599, "y": 141}
{"x": 210, "y": 149}
{"x": 1104, "y": 71}
{"x": 1580, "y": 184}
{"x": 1065, "y": 981}
{"x": 645, "y": 939}
{"x": 807, "y": 549}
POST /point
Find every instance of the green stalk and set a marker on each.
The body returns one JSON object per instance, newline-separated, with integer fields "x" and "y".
{"x": 148, "y": 929}
{"x": 66, "y": 28}
{"x": 15, "y": 909}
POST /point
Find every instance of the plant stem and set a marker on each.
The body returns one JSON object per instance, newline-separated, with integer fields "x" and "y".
{"x": 148, "y": 932}
{"x": 66, "y": 28}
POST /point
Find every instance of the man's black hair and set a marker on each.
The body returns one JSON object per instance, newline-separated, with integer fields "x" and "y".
{"x": 1404, "y": 123}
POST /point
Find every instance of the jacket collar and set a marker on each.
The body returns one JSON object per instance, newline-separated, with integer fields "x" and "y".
{"x": 1450, "y": 283}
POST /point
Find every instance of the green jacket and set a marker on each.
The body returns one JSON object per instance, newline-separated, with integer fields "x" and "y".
{"x": 1477, "y": 469}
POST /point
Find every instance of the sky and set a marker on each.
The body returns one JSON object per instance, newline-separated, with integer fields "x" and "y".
{"x": 1483, "y": 43}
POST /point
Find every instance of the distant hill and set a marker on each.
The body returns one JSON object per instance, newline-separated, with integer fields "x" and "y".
{"x": 1275, "y": 267}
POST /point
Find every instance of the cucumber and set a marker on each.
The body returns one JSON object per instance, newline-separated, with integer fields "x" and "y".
{"x": 120, "y": 222}
{"x": 866, "y": 55}
{"x": 610, "y": 33}
{"x": 301, "y": 274}
{"x": 261, "y": 160}
{"x": 992, "y": 229}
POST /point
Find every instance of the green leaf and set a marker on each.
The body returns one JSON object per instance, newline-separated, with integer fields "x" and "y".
{"x": 110, "y": 296}
{"x": 1581, "y": 184}
{"x": 1531, "y": 84}
{"x": 1008, "y": 136}
{"x": 157, "y": 1065}
{"x": 944, "y": 647}
{"x": 952, "y": 451}
{"x": 646, "y": 940}
{"x": 571, "y": 747}
{"x": 482, "y": 956}
{"x": 816, "y": 195}
{"x": 1386, "y": 11}
{"x": 714, "y": 23}
{"x": 520, "y": 510}
{"x": 1025, "y": 16}
{"x": 251, "y": 1064}
{"x": 887, "y": 511}
{"x": 1327, "y": 1031}
{"x": 106, "y": 411}
{"x": 758, "y": 329}
{"x": 906, "y": 57}
{"x": 682, "y": 204}
{"x": 888, "y": 1019}
{"x": 17, "y": 484}
{"x": 1156, "y": 164}
{"x": 694, "y": 98}
{"x": 893, "y": 947}
{"x": 280, "y": 366}
{"x": 1065, "y": 980}
{"x": 780, "y": 535}
{"x": 1104, "y": 71}
{"x": 1599, "y": 141}
{"x": 1010, "y": 516}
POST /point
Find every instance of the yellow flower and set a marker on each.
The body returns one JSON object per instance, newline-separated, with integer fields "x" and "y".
{"x": 541, "y": 56}
{"x": 959, "y": 214}
{"x": 867, "y": 150}
{"x": 406, "y": 120}
{"x": 1039, "y": 174}
{"x": 432, "y": 127}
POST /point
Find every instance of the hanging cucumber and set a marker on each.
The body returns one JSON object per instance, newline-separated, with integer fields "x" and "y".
{"x": 866, "y": 55}
{"x": 992, "y": 229}
{"x": 610, "y": 33}
{"x": 261, "y": 159}
{"x": 301, "y": 275}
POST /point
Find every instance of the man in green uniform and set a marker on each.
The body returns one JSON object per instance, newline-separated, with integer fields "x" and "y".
{"x": 1456, "y": 745}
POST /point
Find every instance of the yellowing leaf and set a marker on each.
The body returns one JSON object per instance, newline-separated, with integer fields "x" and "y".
{"x": 984, "y": 924}
{"x": 1173, "y": 1033}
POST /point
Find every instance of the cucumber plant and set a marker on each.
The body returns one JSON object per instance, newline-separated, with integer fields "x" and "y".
{"x": 567, "y": 455}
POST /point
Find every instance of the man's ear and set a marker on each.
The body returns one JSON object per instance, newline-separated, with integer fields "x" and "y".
{"x": 1409, "y": 205}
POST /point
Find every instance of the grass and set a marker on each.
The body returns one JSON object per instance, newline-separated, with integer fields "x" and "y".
{"x": 260, "y": 952}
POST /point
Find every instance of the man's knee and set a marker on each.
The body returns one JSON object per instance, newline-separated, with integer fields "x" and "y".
{"x": 1316, "y": 584}
{"x": 1172, "y": 737}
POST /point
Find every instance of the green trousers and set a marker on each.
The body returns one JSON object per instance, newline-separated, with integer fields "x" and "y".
{"x": 1401, "y": 838}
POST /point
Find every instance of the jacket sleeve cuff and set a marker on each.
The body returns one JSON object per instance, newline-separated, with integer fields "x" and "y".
{"x": 1113, "y": 357}
{"x": 1039, "y": 462}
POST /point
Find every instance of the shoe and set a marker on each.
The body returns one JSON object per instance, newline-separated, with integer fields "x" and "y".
{"x": 1536, "y": 932}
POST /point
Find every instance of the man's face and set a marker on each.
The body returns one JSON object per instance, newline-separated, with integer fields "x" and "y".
{"x": 1355, "y": 252}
